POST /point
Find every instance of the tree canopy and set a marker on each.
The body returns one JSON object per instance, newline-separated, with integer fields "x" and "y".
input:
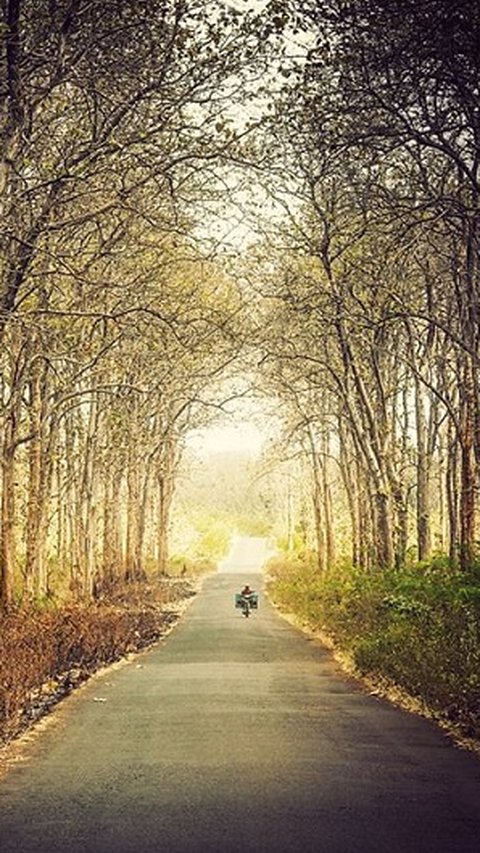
{"x": 194, "y": 192}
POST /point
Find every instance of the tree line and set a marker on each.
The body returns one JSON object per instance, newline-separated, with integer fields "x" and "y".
{"x": 371, "y": 290}
{"x": 115, "y": 319}
{"x": 123, "y": 126}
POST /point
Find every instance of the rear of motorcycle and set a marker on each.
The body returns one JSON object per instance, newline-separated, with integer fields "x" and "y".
{"x": 246, "y": 603}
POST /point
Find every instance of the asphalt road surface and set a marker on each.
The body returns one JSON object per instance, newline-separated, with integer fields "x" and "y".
{"x": 238, "y": 735}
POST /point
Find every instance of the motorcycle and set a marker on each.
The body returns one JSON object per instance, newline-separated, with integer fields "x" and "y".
{"x": 246, "y": 602}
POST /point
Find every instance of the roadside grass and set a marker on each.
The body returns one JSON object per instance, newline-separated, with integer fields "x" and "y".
{"x": 417, "y": 628}
{"x": 45, "y": 653}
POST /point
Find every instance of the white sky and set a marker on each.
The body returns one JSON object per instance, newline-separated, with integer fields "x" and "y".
{"x": 242, "y": 437}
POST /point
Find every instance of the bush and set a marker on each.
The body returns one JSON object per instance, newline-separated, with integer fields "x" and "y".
{"x": 417, "y": 627}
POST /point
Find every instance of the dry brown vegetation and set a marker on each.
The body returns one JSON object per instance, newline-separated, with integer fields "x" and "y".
{"x": 45, "y": 654}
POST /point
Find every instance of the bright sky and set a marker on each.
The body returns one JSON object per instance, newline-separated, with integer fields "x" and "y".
{"x": 242, "y": 437}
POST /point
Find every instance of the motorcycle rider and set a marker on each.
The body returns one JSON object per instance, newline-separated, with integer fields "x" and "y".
{"x": 247, "y": 603}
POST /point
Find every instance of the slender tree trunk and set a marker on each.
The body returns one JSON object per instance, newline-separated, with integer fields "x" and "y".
{"x": 39, "y": 458}
{"x": 162, "y": 530}
{"x": 111, "y": 544}
{"x": 366, "y": 522}
{"x": 133, "y": 508}
{"x": 318, "y": 515}
{"x": 441, "y": 480}
{"x": 7, "y": 518}
{"x": 319, "y": 503}
{"x": 165, "y": 485}
{"x": 143, "y": 511}
{"x": 328, "y": 510}
{"x": 452, "y": 494}
{"x": 34, "y": 516}
{"x": 349, "y": 474}
{"x": 73, "y": 527}
{"x": 469, "y": 419}
{"x": 384, "y": 540}
{"x": 423, "y": 476}
{"x": 87, "y": 502}
{"x": 468, "y": 483}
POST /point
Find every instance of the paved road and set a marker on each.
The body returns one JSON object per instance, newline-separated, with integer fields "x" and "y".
{"x": 238, "y": 735}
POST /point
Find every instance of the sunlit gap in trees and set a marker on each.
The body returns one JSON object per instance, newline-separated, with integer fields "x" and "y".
{"x": 245, "y": 426}
{"x": 226, "y": 489}
{"x": 243, "y": 437}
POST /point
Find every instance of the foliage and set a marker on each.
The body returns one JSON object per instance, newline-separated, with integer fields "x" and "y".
{"x": 369, "y": 293}
{"x": 117, "y": 320}
{"x": 419, "y": 628}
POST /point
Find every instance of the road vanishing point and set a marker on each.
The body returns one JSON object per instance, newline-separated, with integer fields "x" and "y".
{"x": 237, "y": 734}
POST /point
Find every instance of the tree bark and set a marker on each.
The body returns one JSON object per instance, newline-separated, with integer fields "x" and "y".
{"x": 7, "y": 518}
{"x": 467, "y": 485}
{"x": 165, "y": 485}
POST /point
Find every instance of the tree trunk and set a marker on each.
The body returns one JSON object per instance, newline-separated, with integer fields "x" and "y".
{"x": 132, "y": 567}
{"x": 143, "y": 510}
{"x": 328, "y": 512}
{"x": 111, "y": 552}
{"x": 384, "y": 539}
{"x": 165, "y": 483}
{"x": 319, "y": 503}
{"x": 452, "y": 494}
{"x": 88, "y": 503}
{"x": 318, "y": 514}
{"x": 350, "y": 479}
{"x": 467, "y": 487}
{"x": 7, "y": 518}
{"x": 423, "y": 477}
{"x": 39, "y": 462}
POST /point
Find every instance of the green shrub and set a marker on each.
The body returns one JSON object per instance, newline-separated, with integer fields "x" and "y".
{"x": 418, "y": 627}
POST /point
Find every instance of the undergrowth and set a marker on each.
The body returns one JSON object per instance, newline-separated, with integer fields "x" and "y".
{"x": 45, "y": 653}
{"x": 419, "y": 628}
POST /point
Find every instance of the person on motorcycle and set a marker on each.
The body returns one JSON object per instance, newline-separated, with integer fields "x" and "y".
{"x": 247, "y": 600}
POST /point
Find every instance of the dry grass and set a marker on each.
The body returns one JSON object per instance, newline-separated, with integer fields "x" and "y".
{"x": 45, "y": 654}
